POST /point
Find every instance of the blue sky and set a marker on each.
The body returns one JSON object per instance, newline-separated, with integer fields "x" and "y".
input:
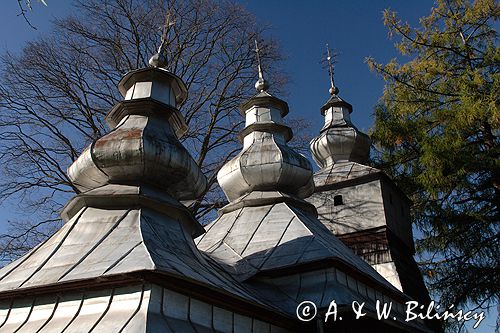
{"x": 353, "y": 28}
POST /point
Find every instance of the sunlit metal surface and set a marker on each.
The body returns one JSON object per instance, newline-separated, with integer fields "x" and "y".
{"x": 266, "y": 162}
{"x": 126, "y": 259}
{"x": 137, "y": 308}
{"x": 267, "y": 234}
{"x": 143, "y": 146}
{"x": 339, "y": 140}
{"x": 269, "y": 237}
{"x": 360, "y": 204}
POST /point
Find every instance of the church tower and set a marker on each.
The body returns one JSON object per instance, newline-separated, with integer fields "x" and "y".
{"x": 131, "y": 258}
{"x": 269, "y": 236}
{"x": 361, "y": 205}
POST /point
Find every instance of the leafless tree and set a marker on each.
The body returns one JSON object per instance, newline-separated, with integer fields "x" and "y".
{"x": 26, "y": 6}
{"x": 55, "y": 93}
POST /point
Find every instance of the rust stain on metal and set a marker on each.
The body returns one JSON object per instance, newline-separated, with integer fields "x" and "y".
{"x": 119, "y": 135}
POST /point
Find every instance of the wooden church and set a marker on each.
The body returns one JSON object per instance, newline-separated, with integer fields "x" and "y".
{"x": 291, "y": 252}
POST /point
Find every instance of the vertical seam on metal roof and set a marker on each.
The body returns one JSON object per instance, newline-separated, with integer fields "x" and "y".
{"x": 135, "y": 311}
{"x": 257, "y": 228}
{"x": 8, "y": 313}
{"x": 113, "y": 265}
{"x": 105, "y": 310}
{"x": 273, "y": 249}
{"x": 56, "y": 249}
{"x": 75, "y": 315}
{"x": 27, "y": 317}
{"x": 51, "y": 315}
{"x": 96, "y": 245}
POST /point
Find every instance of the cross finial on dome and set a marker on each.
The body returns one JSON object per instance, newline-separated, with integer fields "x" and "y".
{"x": 261, "y": 84}
{"x": 159, "y": 59}
{"x": 330, "y": 60}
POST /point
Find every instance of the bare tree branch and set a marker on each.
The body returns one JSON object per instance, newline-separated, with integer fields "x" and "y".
{"x": 55, "y": 93}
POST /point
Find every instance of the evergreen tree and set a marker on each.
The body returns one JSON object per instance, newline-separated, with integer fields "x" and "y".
{"x": 437, "y": 133}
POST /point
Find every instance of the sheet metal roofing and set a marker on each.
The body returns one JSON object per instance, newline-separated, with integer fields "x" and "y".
{"x": 125, "y": 260}
{"x": 253, "y": 240}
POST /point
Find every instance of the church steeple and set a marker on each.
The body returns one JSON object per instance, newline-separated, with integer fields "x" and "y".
{"x": 143, "y": 147}
{"x": 266, "y": 163}
{"x": 339, "y": 140}
{"x": 126, "y": 260}
{"x": 360, "y": 204}
{"x": 267, "y": 235}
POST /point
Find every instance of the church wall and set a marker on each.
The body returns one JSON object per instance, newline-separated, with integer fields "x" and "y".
{"x": 181, "y": 313}
{"x": 365, "y": 206}
{"x": 397, "y": 212}
{"x": 368, "y": 206}
{"x": 389, "y": 271}
{"x": 362, "y": 207}
{"x": 108, "y": 310}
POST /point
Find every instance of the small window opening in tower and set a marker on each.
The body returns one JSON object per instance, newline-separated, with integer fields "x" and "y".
{"x": 390, "y": 198}
{"x": 338, "y": 200}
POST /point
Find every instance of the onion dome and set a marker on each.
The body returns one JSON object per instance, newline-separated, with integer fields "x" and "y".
{"x": 266, "y": 163}
{"x": 339, "y": 140}
{"x": 143, "y": 147}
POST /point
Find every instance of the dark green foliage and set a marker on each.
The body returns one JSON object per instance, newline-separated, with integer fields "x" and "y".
{"x": 437, "y": 131}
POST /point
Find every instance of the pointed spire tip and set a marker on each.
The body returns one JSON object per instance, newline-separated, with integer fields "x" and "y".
{"x": 261, "y": 84}
{"x": 159, "y": 59}
{"x": 330, "y": 61}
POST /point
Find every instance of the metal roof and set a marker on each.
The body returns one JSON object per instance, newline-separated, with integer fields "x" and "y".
{"x": 252, "y": 240}
{"x": 99, "y": 243}
{"x": 136, "y": 308}
{"x": 340, "y": 172}
{"x": 263, "y": 255}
